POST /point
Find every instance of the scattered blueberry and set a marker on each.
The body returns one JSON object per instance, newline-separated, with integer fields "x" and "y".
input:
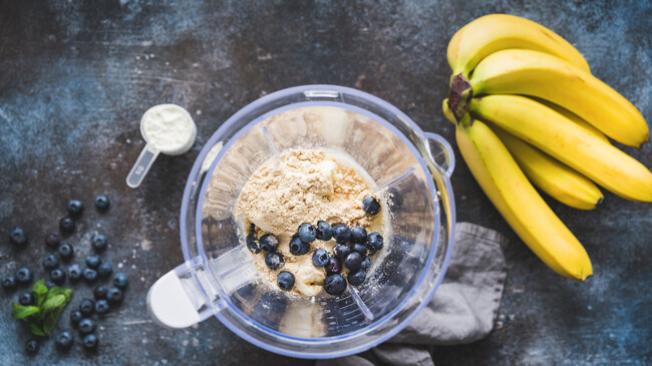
{"x": 320, "y": 258}
{"x": 114, "y": 295}
{"x": 268, "y": 242}
{"x": 274, "y": 260}
{"x": 307, "y": 233}
{"x": 87, "y": 307}
{"x": 341, "y": 251}
{"x": 100, "y": 291}
{"x": 105, "y": 269}
{"x": 285, "y": 280}
{"x": 90, "y": 275}
{"x": 58, "y": 276}
{"x": 67, "y": 225}
{"x": 360, "y": 248}
{"x": 356, "y": 278}
{"x": 32, "y": 346}
{"x": 298, "y": 246}
{"x": 99, "y": 242}
{"x": 102, "y": 307}
{"x": 75, "y": 272}
{"x": 49, "y": 284}
{"x": 75, "y": 208}
{"x": 18, "y": 236}
{"x": 90, "y": 341}
{"x": 75, "y": 317}
{"x": 64, "y": 340}
{"x": 86, "y": 326}
{"x": 252, "y": 243}
{"x": 120, "y": 280}
{"x": 26, "y": 298}
{"x": 24, "y": 275}
{"x": 342, "y": 233}
{"x": 9, "y": 282}
{"x": 353, "y": 261}
{"x": 324, "y": 231}
{"x": 51, "y": 261}
{"x": 375, "y": 242}
{"x": 335, "y": 284}
{"x": 93, "y": 261}
{"x": 370, "y": 205}
{"x": 102, "y": 202}
{"x": 366, "y": 264}
{"x": 358, "y": 234}
{"x": 334, "y": 265}
{"x": 52, "y": 240}
{"x": 66, "y": 251}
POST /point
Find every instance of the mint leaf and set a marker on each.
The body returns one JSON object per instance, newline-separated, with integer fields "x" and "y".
{"x": 54, "y": 303}
{"x": 66, "y": 292}
{"x": 22, "y": 312}
{"x": 36, "y": 330}
{"x": 40, "y": 291}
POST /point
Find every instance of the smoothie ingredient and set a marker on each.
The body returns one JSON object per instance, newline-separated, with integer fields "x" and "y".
{"x": 114, "y": 295}
{"x": 307, "y": 233}
{"x": 9, "y": 282}
{"x": 334, "y": 265}
{"x": 298, "y": 246}
{"x": 356, "y": 278}
{"x": 51, "y": 261}
{"x": 93, "y": 261}
{"x": 353, "y": 261}
{"x": 335, "y": 284}
{"x": 64, "y": 340}
{"x": 375, "y": 242}
{"x": 324, "y": 231}
{"x": 58, "y": 276}
{"x": 18, "y": 236}
{"x": 370, "y": 205}
{"x": 358, "y": 234}
{"x": 252, "y": 243}
{"x": 274, "y": 260}
{"x": 320, "y": 257}
{"x": 366, "y": 264}
{"x": 90, "y": 342}
{"x": 341, "y": 233}
{"x": 120, "y": 280}
{"x": 102, "y": 203}
{"x": 102, "y": 307}
{"x": 24, "y": 275}
{"x": 285, "y": 280}
{"x": 90, "y": 275}
{"x": 52, "y": 240}
{"x": 66, "y": 251}
{"x": 342, "y": 251}
{"x": 75, "y": 317}
{"x": 360, "y": 248}
{"x": 41, "y": 307}
{"x": 105, "y": 269}
{"x": 26, "y": 298}
{"x": 87, "y": 307}
{"x": 75, "y": 207}
{"x": 99, "y": 242}
{"x": 74, "y": 272}
{"x": 268, "y": 242}
{"x": 67, "y": 225}
{"x": 86, "y": 325}
{"x": 100, "y": 291}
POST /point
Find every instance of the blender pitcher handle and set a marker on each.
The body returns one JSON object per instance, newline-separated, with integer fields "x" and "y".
{"x": 441, "y": 153}
{"x": 177, "y": 300}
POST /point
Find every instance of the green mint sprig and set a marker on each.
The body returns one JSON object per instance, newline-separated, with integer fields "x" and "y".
{"x": 42, "y": 317}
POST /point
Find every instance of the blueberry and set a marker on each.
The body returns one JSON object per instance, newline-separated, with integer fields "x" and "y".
{"x": 74, "y": 272}
{"x": 75, "y": 208}
{"x": 102, "y": 307}
{"x": 9, "y": 282}
{"x": 18, "y": 236}
{"x": 324, "y": 231}
{"x": 67, "y": 225}
{"x": 52, "y": 240}
{"x": 100, "y": 291}
{"x": 105, "y": 269}
{"x": 49, "y": 284}
{"x": 356, "y": 278}
{"x": 320, "y": 258}
{"x": 90, "y": 275}
{"x": 87, "y": 306}
{"x": 114, "y": 295}
{"x": 307, "y": 233}
{"x": 366, "y": 264}
{"x": 374, "y": 242}
{"x": 353, "y": 261}
{"x": 75, "y": 317}
{"x": 58, "y": 276}
{"x": 335, "y": 284}
{"x": 86, "y": 326}
{"x": 298, "y": 246}
{"x": 102, "y": 202}
{"x": 360, "y": 248}
{"x": 51, "y": 261}
{"x": 274, "y": 260}
{"x": 32, "y": 346}
{"x": 64, "y": 340}
{"x": 26, "y": 298}
{"x": 90, "y": 341}
{"x": 334, "y": 265}
{"x": 120, "y": 280}
{"x": 99, "y": 242}
{"x": 285, "y": 280}
{"x": 24, "y": 275}
{"x": 66, "y": 251}
{"x": 341, "y": 251}
{"x": 370, "y": 205}
{"x": 93, "y": 261}
{"x": 342, "y": 233}
{"x": 268, "y": 242}
{"x": 358, "y": 234}
{"x": 252, "y": 243}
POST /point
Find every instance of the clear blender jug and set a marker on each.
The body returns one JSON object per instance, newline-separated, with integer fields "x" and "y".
{"x": 218, "y": 277}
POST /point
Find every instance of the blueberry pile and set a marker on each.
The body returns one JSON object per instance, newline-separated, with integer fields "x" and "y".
{"x": 353, "y": 246}
{"x": 59, "y": 268}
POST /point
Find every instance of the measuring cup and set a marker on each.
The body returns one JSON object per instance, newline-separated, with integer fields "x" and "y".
{"x": 218, "y": 277}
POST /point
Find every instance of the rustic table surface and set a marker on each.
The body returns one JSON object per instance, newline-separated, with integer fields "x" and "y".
{"x": 75, "y": 77}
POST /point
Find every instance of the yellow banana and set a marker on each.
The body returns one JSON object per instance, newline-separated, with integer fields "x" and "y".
{"x": 490, "y": 33}
{"x": 562, "y": 139}
{"x": 577, "y": 119}
{"x": 556, "y": 179}
{"x": 519, "y": 203}
{"x": 541, "y": 75}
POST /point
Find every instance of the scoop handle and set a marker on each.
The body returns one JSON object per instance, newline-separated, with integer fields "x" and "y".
{"x": 142, "y": 165}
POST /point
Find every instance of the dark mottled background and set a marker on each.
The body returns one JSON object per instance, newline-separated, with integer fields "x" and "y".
{"x": 75, "y": 77}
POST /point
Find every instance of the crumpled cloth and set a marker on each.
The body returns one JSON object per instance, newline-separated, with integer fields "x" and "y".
{"x": 463, "y": 309}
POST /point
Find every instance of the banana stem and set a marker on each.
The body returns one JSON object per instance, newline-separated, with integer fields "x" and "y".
{"x": 459, "y": 95}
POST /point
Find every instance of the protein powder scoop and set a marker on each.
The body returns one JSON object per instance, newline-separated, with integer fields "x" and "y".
{"x": 167, "y": 129}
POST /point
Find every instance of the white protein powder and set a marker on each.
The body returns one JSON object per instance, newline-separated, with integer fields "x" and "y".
{"x": 169, "y": 128}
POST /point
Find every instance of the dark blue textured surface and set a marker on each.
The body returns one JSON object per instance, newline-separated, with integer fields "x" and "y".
{"x": 75, "y": 77}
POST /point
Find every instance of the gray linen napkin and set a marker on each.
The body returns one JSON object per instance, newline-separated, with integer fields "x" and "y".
{"x": 462, "y": 311}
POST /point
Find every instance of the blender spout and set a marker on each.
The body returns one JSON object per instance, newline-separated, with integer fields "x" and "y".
{"x": 440, "y": 152}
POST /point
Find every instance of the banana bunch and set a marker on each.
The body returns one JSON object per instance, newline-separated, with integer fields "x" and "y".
{"x": 528, "y": 112}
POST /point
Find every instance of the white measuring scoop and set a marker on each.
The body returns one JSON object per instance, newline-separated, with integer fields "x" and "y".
{"x": 167, "y": 129}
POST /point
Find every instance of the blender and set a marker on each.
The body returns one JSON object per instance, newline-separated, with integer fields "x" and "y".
{"x": 218, "y": 278}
